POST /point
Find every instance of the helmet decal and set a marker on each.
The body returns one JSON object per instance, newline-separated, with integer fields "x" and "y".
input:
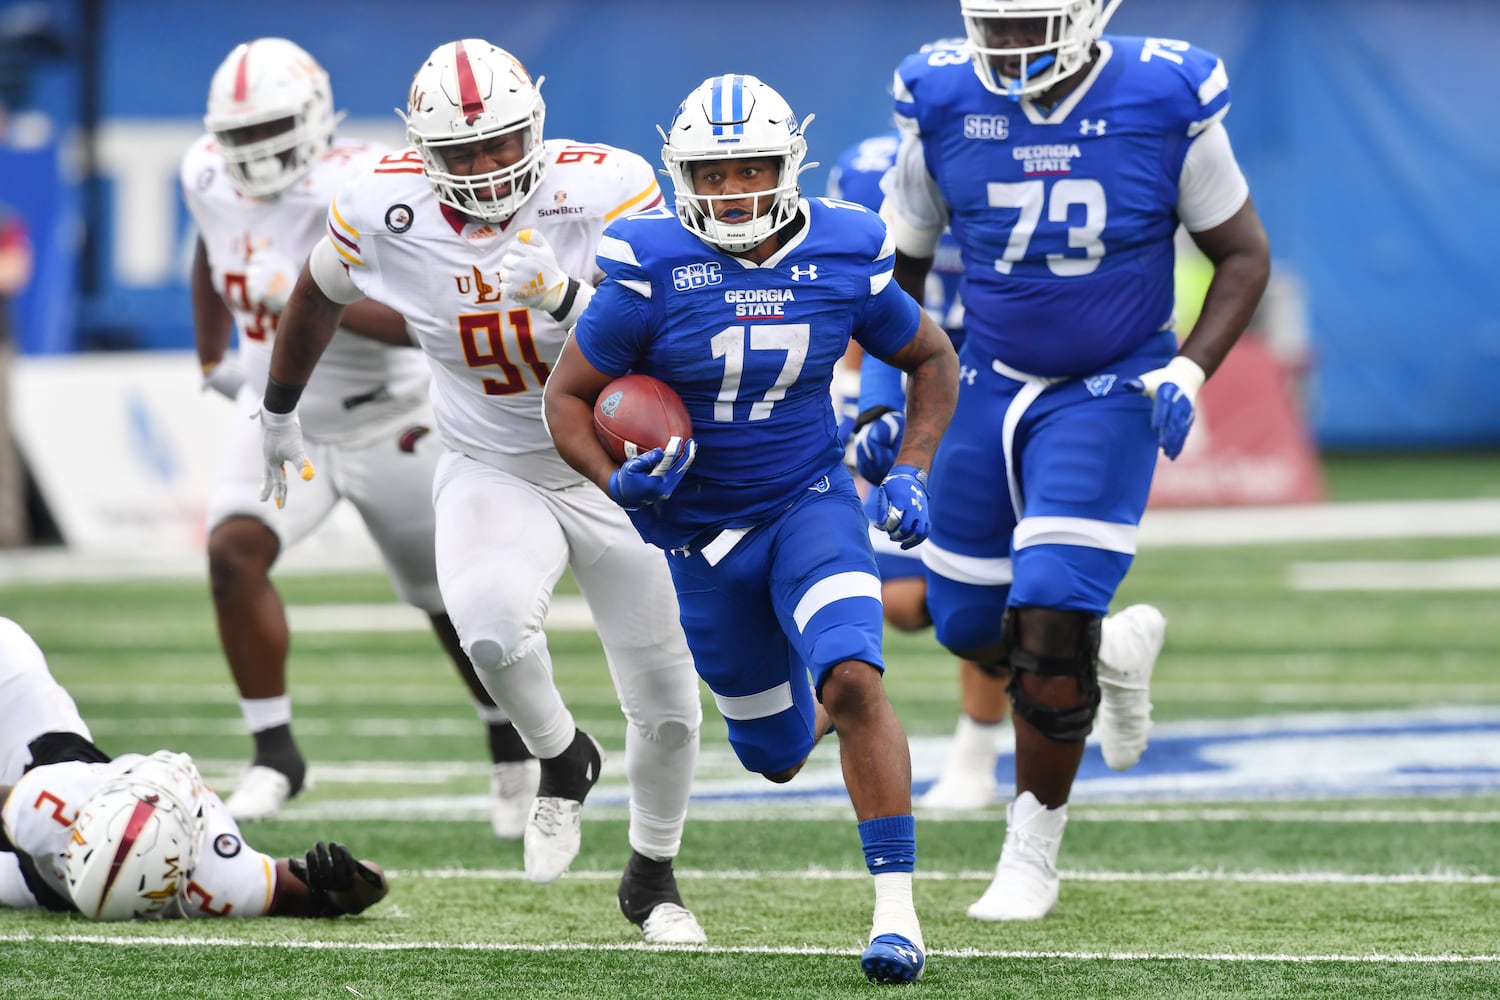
{"x": 471, "y": 104}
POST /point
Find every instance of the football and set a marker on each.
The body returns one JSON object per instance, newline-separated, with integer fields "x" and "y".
{"x": 636, "y": 413}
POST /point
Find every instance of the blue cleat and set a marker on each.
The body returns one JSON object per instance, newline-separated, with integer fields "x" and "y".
{"x": 893, "y": 958}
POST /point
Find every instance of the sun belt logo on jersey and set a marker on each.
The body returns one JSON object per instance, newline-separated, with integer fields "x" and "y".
{"x": 691, "y": 276}
{"x": 986, "y": 127}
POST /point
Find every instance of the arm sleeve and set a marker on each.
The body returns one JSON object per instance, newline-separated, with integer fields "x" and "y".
{"x": 1211, "y": 187}
{"x": 332, "y": 274}
{"x": 880, "y": 385}
{"x": 914, "y": 209}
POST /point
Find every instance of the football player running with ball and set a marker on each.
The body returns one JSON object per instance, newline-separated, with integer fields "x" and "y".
{"x": 257, "y": 185}
{"x": 483, "y": 236}
{"x": 743, "y": 300}
{"x": 135, "y": 836}
{"x": 1063, "y": 160}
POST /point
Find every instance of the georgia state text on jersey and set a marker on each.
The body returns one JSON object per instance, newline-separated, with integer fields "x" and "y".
{"x": 856, "y": 177}
{"x": 750, "y": 348}
{"x": 489, "y": 356}
{"x": 1068, "y": 241}
{"x": 232, "y": 225}
{"x": 232, "y": 879}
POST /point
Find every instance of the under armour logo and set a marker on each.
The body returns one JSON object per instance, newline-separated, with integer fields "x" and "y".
{"x": 821, "y": 486}
{"x": 808, "y": 271}
{"x": 1091, "y": 127}
{"x": 1099, "y": 385}
{"x": 966, "y": 374}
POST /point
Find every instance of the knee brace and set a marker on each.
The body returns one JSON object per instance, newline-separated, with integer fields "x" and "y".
{"x": 1071, "y": 724}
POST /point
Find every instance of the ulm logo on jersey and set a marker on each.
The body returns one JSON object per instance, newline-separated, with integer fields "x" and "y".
{"x": 986, "y": 127}
{"x": 691, "y": 276}
{"x": 486, "y": 291}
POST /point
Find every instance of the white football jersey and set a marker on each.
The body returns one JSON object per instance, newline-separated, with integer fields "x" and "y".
{"x": 489, "y": 355}
{"x": 353, "y": 368}
{"x": 231, "y": 880}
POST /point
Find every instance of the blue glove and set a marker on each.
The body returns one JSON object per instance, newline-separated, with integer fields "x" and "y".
{"x": 901, "y": 507}
{"x": 651, "y": 477}
{"x": 1173, "y": 390}
{"x": 876, "y": 445}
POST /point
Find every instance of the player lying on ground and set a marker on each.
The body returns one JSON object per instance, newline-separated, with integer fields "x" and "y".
{"x": 135, "y": 836}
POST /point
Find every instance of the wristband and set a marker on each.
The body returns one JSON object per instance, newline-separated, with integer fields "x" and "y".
{"x": 280, "y": 397}
{"x": 871, "y": 415}
{"x": 561, "y": 312}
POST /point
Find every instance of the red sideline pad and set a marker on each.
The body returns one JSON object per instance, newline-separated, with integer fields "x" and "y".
{"x": 1249, "y": 445}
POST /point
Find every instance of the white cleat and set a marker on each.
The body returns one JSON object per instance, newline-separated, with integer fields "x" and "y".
{"x": 554, "y": 829}
{"x": 512, "y": 790}
{"x": 672, "y": 924}
{"x": 260, "y": 793}
{"x": 553, "y": 836}
{"x": 1130, "y": 642}
{"x": 1026, "y": 881}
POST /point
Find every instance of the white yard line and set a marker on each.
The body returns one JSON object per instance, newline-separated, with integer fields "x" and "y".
{"x": 850, "y": 875}
{"x": 161, "y": 940}
{"x": 1222, "y": 526}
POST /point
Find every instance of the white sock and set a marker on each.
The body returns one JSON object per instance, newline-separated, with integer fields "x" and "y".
{"x": 976, "y": 745}
{"x": 266, "y": 713}
{"x": 895, "y": 912}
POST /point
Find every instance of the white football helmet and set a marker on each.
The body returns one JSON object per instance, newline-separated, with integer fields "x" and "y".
{"x": 734, "y": 116}
{"x": 1072, "y": 27}
{"x": 135, "y": 842}
{"x": 270, "y": 82}
{"x": 470, "y": 91}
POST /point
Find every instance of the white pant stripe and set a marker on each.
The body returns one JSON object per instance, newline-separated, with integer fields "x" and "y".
{"x": 834, "y": 588}
{"x": 1081, "y": 531}
{"x": 974, "y": 570}
{"x": 761, "y": 705}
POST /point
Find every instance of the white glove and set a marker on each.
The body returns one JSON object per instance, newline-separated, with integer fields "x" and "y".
{"x": 1174, "y": 391}
{"x": 223, "y": 377}
{"x": 532, "y": 277}
{"x": 281, "y": 442}
{"x": 269, "y": 277}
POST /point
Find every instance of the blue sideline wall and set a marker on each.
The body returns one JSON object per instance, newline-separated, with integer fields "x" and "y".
{"x": 1368, "y": 129}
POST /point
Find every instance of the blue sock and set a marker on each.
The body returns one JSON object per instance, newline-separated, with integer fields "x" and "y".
{"x": 890, "y": 843}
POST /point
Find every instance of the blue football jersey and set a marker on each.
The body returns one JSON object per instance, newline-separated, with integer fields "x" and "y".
{"x": 749, "y": 348}
{"x": 856, "y": 177}
{"x": 1066, "y": 222}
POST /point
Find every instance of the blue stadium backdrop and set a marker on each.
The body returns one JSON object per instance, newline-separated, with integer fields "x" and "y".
{"x": 1367, "y": 128}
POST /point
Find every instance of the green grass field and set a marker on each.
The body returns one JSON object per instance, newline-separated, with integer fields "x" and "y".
{"x": 1353, "y": 854}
